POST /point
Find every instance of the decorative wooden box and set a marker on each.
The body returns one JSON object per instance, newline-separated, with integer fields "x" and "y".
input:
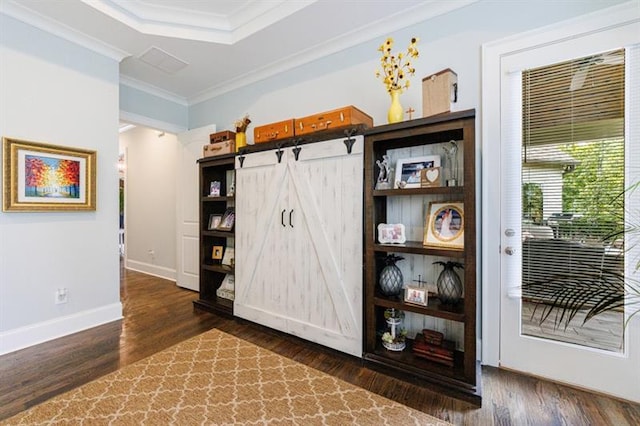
{"x": 341, "y": 117}
{"x": 219, "y": 148}
{"x": 225, "y": 135}
{"x": 439, "y": 92}
{"x": 442, "y": 354}
{"x": 273, "y": 131}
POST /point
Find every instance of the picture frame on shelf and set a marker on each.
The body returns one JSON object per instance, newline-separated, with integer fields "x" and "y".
{"x": 229, "y": 257}
{"x": 214, "y": 189}
{"x": 416, "y": 295}
{"x": 408, "y": 170}
{"x": 228, "y": 220}
{"x": 430, "y": 177}
{"x": 444, "y": 225}
{"x": 40, "y": 177}
{"x": 391, "y": 233}
{"x": 216, "y": 252}
{"x": 214, "y": 221}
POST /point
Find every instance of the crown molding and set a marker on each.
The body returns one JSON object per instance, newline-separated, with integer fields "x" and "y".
{"x": 141, "y": 120}
{"x": 152, "y": 90}
{"x": 189, "y": 24}
{"x": 17, "y": 11}
{"x": 426, "y": 10}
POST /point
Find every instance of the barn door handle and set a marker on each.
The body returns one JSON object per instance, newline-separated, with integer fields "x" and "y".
{"x": 282, "y": 218}
{"x": 290, "y": 218}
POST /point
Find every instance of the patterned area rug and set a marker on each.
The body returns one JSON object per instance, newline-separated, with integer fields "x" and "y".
{"x": 216, "y": 378}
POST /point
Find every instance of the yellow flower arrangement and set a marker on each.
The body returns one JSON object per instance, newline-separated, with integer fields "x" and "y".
{"x": 395, "y": 68}
{"x": 242, "y": 124}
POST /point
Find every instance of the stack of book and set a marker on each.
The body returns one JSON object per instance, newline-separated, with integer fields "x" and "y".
{"x": 227, "y": 289}
{"x": 431, "y": 345}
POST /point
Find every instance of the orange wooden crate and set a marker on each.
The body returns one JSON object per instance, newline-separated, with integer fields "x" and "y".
{"x": 341, "y": 117}
{"x": 273, "y": 131}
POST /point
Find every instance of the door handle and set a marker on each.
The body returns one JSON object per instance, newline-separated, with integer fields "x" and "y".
{"x": 282, "y": 218}
{"x": 290, "y": 218}
{"x": 510, "y": 251}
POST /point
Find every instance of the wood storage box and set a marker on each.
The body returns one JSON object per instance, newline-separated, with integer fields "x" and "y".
{"x": 225, "y": 135}
{"x": 219, "y": 148}
{"x": 439, "y": 92}
{"x": 273, "y": 131}
{"x": 442, "y": 354}
{"x": 341, "y": 117}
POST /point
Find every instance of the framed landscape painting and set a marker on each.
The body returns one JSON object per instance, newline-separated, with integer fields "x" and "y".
{"x": 40, "y": 177}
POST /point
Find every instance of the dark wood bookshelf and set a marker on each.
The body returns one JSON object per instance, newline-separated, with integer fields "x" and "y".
{"x": 212, "y": 272}
{"x": 462, "y": 380}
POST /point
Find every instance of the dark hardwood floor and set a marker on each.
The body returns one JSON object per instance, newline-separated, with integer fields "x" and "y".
{"x": 158, "y": 314}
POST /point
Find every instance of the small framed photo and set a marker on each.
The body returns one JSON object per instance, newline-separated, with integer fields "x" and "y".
{"x": 391, "y": 233}
{"x": 416, "y": 295}
{"x": 227, "y": 221}
{"x": 430, "y": 177}
{"x": 214, "y": 189}
{"x": 229, "y": 257}
{"x": 408, "y": 170}
{"x": 216, "y": 253}
{"x": 444, "y": 225}
{"x": 214, "y": 221}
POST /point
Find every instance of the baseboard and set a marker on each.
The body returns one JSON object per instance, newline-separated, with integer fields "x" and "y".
{"x": 23, "y": 337}
{"x": 150, "y": 269}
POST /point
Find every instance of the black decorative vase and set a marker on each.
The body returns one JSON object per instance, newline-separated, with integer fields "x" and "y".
{"x": 391, "y": 279}
{"x": 449, "y": 284}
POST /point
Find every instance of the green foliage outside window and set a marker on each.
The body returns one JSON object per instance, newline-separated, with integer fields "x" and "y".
{"x": 532, "y": 204}
{"x": 593, "y": 189}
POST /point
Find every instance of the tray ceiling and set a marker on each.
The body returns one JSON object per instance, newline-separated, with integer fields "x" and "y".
{"x": 189, "y": 50}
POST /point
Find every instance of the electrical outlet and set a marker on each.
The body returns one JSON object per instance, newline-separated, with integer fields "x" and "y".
{"x": 61, "y": 296}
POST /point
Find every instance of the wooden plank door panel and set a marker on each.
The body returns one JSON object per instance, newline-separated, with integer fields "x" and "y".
{"x": 261, "y": 249}
{"x": 326, "y": 295}
{"x": 299, "y": 243}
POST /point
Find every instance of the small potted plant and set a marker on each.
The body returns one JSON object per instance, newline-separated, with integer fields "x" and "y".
{"x": 394, "y": 338}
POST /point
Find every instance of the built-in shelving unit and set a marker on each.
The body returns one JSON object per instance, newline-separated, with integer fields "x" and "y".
{"x": 212, "y": 271}
{"x": 412, "y": 139}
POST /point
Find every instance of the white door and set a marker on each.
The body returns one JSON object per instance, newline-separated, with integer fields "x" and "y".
{"x": 190, "y": 145}
{"x": 541, "y": 348}
{"x": 325, "y": 292}
{"x": 299, "y": 243}
{"x": 260, "y": 240}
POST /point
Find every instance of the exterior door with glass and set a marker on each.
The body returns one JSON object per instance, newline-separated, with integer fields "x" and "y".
{"x": 569, "y": 138}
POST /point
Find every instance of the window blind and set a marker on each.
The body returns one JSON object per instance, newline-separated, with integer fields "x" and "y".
{"x": 574, "y": 101}
{"x": 573, "y": 180}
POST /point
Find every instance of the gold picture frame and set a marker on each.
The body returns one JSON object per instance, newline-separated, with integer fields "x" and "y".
{"x": 39, "y": 177}
{"x": 444, "y": 225}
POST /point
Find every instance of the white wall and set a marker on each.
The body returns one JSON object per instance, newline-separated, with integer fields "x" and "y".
{"x": 57, "y": 92}
{"x": 150, "y": 205}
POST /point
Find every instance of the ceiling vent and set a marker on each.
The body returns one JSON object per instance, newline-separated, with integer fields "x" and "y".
{"x": 162, "y": 60}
